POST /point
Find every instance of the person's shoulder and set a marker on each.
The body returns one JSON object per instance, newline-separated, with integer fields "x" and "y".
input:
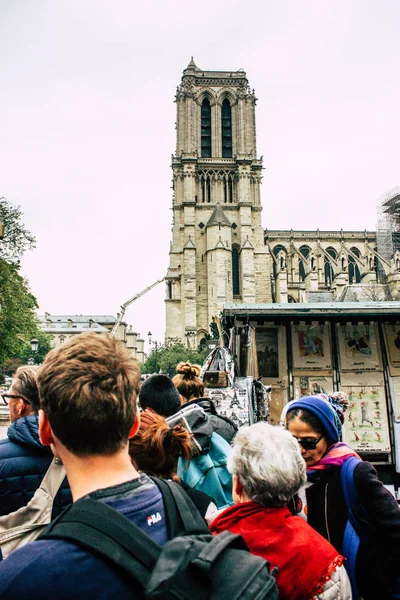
{"x": 58, "y": 569}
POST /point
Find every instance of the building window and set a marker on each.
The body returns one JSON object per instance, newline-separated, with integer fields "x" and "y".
{"x": 305, "y": 251}
{"x": 328, "y": 268}
{"x": 169, "y": 286}
{"x": 205, "y": 184}
{"x": 226, "y": 127}
{"x": 235, "y": 271}
{"x": 354, "y": 271}
{"x": 206, "y": 128}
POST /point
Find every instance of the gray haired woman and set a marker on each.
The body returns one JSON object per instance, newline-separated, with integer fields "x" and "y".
{"x": 268, "y": 470}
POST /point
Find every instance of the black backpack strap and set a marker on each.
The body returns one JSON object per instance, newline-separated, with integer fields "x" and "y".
{"x": 183, "y": 518}
{"x": 105, "y": 532}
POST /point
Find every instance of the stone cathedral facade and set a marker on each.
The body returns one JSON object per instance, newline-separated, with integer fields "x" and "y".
{"x": 219, "y": 251}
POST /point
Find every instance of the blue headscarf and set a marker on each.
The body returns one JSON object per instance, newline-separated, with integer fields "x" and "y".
{"x": 324, "y": 413}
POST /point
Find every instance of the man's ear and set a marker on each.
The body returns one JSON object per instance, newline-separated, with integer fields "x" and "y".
{"x": 135, "y": 426}
{"x": 21, "y": 408}
{"x": 45, "y": 433}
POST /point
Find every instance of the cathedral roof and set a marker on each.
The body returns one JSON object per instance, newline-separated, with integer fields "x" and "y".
{"x": 218, "y": 217}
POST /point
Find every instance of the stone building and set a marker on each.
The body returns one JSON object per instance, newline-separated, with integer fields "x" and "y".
{"x": 62, "y": 328}
{"x": 219, "y": 251}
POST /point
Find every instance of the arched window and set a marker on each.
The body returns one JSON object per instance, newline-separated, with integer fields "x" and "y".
{"x": 226, "y": 128}
{"x": 205, "y": 184}
{"x": 206, "y": 128}
{"x": 354, "y": 271}
{"x": 305, "y": 251}
{"x": 328, "y": 268}
{"x": 235, "y": 271}
{"x": 169, "y": 286}
{"x": 228, "y": 188}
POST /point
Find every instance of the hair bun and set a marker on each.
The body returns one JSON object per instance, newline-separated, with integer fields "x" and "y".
{"x": 186, "y": 368}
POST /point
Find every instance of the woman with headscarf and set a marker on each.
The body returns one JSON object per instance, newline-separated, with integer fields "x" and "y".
{"x": 267, "y": 470}
{"x": 312, "y": 421}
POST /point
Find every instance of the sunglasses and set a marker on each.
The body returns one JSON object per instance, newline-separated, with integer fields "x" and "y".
{"x": 310, "y": 443}
{"x": 7, "y": 397}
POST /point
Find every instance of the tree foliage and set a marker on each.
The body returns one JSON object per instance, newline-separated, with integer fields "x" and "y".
{"x": 165, "y": 358}
{"x": 17, "y": 239}
{"x": 18, "y": 320}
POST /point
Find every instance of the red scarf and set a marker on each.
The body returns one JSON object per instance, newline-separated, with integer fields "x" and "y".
{"x": 305, "y": 559}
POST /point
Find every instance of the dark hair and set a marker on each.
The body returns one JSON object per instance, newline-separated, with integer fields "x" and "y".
{"x": 307, "y": 417}
{"x": 156, "y": 448}
{"x": 88, "y": 389}
{"x": 188, "y": 382}
{"x": 159, "y": 393}
{"x": 25, "y": 383}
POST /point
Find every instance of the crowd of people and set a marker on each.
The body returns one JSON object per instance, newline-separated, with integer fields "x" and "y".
{"x": 160, "y": 455}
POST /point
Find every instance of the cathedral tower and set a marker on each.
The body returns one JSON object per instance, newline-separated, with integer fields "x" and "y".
{"x": 217, "y": 251}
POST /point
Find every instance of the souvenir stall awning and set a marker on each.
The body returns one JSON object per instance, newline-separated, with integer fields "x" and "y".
{"x": 339, "y": 310}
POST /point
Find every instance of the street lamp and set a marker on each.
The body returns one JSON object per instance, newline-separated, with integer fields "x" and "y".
{"x": 34, "y": 349}
{"x": 150, "y": 337}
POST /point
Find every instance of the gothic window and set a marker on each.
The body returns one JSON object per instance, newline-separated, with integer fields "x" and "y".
{"x": 228, "y": 188}
{"x": 169, "y": 285}
{"x": 328, "y": 268}
{"x": 206, "y": 128}
{"x": 354, "y": 271}
{"x": 235, "y": 271}
{"x": 205, "y": 184}
{"x": 226, "y": 127}
{"x": 305, "y": 251}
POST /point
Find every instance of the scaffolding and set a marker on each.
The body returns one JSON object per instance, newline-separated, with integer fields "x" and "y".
{"x": 387, "y": 228}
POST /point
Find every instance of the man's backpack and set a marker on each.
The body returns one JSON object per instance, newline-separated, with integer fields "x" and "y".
{"x": 194, "y": 565}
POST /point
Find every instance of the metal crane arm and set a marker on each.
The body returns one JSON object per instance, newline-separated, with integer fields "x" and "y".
{"x": 125, "y": 305}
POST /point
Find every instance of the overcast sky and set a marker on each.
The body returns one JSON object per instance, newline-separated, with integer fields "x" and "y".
{"x": 87, "y": 128}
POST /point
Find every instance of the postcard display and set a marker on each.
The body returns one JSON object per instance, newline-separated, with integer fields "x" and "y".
{"x": 392, "y": 340}
{"x": 272, "y": 366}
{"x": 361, "y": 375}
{"x": 312, "y": 363}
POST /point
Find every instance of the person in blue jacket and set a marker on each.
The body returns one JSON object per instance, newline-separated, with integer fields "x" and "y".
{"x": 23, "y": 459}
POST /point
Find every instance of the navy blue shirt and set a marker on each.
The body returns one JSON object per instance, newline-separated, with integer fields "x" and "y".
{"x": 61, "y": 570}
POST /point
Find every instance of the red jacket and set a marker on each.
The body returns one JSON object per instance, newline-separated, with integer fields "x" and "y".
{"x": 304, "y": 558}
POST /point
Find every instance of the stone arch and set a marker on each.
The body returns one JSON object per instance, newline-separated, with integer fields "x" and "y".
{"x": 206, "y": 93}
{"x": 226, "y": 94}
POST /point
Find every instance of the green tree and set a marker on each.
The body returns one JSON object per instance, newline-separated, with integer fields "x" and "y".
{"x": 18, "y": 320}
{"x": 17, "y": 239}
{"x": 165, "y": 357}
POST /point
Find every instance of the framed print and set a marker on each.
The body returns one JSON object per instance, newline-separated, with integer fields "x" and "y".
{"x": 365, "y": 427}
{"x": 395, "y": 389}
{"x": 310, "y": 386}
{"x": 311, "y": 347}
{"x": 358, "y": 347}
{"x": 391, "y": 334}
{"x": 267, "y": 343}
